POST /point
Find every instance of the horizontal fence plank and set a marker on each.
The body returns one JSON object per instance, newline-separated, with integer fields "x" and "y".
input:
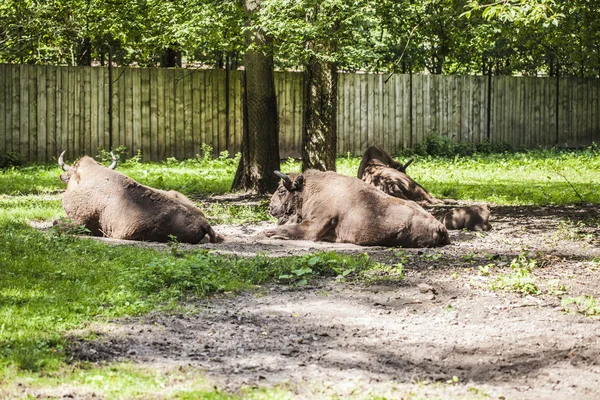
{"x": 166, "y": 113}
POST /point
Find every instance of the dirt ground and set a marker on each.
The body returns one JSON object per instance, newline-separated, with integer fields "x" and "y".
{"x": 441, "y": 332}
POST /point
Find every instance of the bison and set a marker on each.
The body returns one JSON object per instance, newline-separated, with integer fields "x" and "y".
{"x": 472, "y": 218}
{"x": 377, "y": 168}
{"x": 326, "y": 206}
{"x": 111, "y": 204}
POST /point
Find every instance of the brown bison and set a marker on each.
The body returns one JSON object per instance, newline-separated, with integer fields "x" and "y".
{"x": 326, "y": 206}
{"x": 111, "y": 204}
{"x": 377, "y": 168}
{"x": 472, "y": 218}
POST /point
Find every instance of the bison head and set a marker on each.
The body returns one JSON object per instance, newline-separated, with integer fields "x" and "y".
{"x": 286, "y": 202}
{"x": 376, "y": 156}
{"x": 69, "y": 170}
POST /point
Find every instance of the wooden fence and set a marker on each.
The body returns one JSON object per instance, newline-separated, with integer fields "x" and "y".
{"x": 173, "y": 112}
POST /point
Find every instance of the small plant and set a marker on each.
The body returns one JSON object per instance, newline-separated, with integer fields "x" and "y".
{"x": 298, "y": 276}
{"x": 433, "y": 256}
{"x": 104, "y": 156}
{"x": 137, "y": 159}
{"x": 67, "y": 226}
{"x": 521, "y": 280}
{"x": 384, "y": 273}
{"x": 587, "y": 305}
{"x": 469, "y": 257}
{"x": 174, "y": 246}
{"x": 402, "y": 257}
{"x": 484, "y": 270}
{"x": 207, "y": 153}
{"x": 554, "y": 287}
{"x": 11, "y": 159}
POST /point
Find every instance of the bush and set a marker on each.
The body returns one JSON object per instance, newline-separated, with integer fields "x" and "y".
{"x": 11, "y": 159}
{"x": 443, "y": 146}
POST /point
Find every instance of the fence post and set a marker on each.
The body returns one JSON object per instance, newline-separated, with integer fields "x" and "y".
{"x": 489, "y": 104}
{"x": 110, "y": 96}
{"x": 410, "y": 104}
{"x": 557, "y": 101}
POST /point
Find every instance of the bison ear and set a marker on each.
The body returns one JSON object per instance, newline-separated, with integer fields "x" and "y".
{"x": 299, "y": 183}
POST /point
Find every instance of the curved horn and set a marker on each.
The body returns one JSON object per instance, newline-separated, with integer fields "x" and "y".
{"x": 402, "y": 168}
{"x": 61, "y": 162}
{"x": 287, "y": 182}
{"x": 114, "y": 161}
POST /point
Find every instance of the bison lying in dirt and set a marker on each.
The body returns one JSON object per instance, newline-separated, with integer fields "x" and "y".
{"x": 472, "y": 218}
{"x": 326, "y": 206}
{"x": 111, "y": 204}
{"x": 377, "y": 168}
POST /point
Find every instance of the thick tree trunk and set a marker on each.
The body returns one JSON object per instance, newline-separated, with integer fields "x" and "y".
{"x": 319, "y": 125}
{"x": 260, "y": 143}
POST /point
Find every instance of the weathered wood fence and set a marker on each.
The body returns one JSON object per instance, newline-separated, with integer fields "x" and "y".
{"x": 172, "y": 112}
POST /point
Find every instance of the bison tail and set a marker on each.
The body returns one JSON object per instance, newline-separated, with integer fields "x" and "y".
{"x": 214, "y": 238}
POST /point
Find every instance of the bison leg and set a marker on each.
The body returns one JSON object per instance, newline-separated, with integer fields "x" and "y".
{"x": 323, "y": 231}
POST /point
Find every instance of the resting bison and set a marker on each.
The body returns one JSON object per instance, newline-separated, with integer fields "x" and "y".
{"x": 377, "y": 168}
{"x": 473, "y": 218}
{"x": 331, "y": 207}
{"x": 111, "y": 204}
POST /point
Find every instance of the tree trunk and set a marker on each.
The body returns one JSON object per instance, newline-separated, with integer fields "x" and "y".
{"x": 260, "y": 143}
{"x": 319, "y": 125}
{"x": 84, "y": 53}
{"x": 171, "y": 58}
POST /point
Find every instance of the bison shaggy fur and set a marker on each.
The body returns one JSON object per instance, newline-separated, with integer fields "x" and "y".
{"x": 326, "y": 206}
{"x": 111, "y": 204}
{"x": 378, "y": 169}
{"x": 472, "y": 218}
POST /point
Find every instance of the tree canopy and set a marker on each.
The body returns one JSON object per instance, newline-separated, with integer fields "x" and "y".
{"x": 529, "y": 37}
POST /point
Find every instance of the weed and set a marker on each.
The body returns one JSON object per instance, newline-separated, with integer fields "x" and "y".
{"x": 520, "y": 280}
{"x": 554, "y": 287}
{"x": 431, "y": 256}
{"x": 104, "y": 156}
{"x": 469, "y": 258}
{"x": 174, "y": 246}
{"x": 484, "y": 270}
{"x": 381, "y": 272}
{"x": 587, "y": 305}
{"x": 298, "y": 276}
{"x": 11, "y": 159}
{"x": 402, "y": 256}
{"x": 577, "y": 231}
{"x": 67, "y": 226}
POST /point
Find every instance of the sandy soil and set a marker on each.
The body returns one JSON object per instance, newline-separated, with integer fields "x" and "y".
{"x": 337, "y": 338}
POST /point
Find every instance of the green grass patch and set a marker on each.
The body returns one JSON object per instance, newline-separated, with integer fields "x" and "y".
{"x": 587, "y": 305}
{"x": 540, "y": 177}
{"x": 51, "y": 283}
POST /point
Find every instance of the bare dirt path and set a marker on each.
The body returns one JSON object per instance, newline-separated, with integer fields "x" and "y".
{"x": 440, "y": 332}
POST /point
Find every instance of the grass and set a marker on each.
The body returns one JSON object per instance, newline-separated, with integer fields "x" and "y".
{"x": 52, "y": 283}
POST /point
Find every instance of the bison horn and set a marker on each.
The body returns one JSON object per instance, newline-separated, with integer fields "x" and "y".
{"x": 114, "y": 161}
{"x": 61, "y": 162}
{"x": 402, "y": 168}
{"x": 287, "y": 182}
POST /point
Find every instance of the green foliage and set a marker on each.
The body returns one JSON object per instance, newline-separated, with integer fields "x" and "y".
{"x": 586, "y": 305}
{"x": 526, "y": 37}
{"x": 11, "y": 159}
{"x": 521, "y": 279}
{"x": 443, "y": 146}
